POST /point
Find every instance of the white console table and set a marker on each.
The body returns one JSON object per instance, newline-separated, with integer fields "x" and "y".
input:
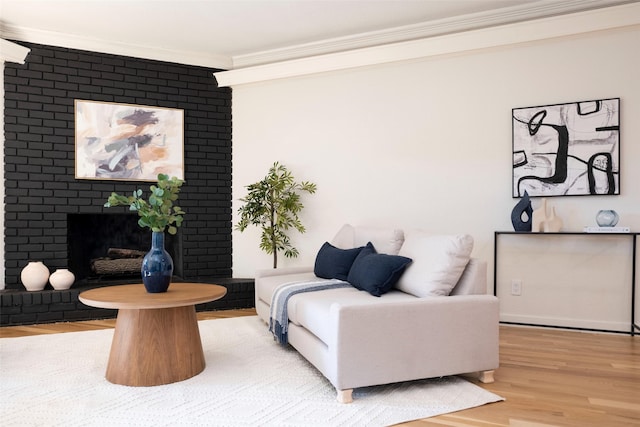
{"x": 632, "y": 236}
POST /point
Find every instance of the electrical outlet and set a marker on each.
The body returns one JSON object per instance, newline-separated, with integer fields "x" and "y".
{"x": 516, "y": 287}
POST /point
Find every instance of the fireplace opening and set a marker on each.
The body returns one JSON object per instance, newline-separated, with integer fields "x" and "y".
{"x": 95, "y": 239}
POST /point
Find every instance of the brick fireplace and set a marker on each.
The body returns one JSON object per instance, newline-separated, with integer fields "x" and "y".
{"x": 111, "y": 232}
{"x": 43, "y": 198}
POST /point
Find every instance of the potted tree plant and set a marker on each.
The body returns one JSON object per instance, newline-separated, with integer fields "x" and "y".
{"x": 273, "y": 205}
{"x": 159, "y": 214}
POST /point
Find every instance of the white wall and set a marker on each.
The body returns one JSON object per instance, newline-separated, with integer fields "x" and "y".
{"x": 427, "y": 143}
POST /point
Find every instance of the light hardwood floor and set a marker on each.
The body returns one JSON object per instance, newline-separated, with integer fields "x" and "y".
{"x": 548, "y": 377}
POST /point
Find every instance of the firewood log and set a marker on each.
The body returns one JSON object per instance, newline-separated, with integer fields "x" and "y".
{"x": 117, "y": 253}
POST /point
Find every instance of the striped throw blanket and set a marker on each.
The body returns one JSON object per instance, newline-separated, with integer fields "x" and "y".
{"x": 278, "y": 316}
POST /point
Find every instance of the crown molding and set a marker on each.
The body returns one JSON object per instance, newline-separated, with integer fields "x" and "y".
{"x": 12, "y": 52}
{"x": 627, "y": 15}
{"x": 464, "y": 23}
{"x": 52, "y": 38}
{"x": 507, "y": 15}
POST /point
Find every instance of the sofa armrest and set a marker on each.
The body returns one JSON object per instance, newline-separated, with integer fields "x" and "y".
{"x": 283, "y": 271}
{"x": 428, "y": 337}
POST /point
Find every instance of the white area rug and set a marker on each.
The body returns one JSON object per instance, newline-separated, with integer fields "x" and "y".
{"x": 58, "y": 380}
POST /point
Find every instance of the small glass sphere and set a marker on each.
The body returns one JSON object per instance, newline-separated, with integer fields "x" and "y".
{"x": 607, "y": 218}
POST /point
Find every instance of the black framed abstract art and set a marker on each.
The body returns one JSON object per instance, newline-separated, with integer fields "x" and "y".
{"x": 570, "y": 149}
{"x": 128, "y": 142}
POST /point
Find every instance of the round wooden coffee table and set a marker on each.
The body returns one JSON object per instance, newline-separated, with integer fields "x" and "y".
{"x": 156, "y": 340}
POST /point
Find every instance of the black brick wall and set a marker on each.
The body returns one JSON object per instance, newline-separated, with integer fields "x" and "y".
{"x": 40, "y": 188}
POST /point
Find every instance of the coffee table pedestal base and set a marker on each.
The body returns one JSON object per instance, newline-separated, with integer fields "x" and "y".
{"x": 155, "y": 346}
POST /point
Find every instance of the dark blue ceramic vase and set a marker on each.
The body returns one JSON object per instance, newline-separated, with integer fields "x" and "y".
{"x": 157, "y": 266}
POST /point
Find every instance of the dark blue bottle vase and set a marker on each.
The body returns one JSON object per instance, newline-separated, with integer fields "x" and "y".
{"x": 157, "y": 266}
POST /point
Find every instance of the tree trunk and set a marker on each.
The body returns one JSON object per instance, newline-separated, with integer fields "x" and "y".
{"x": 274, "y": 247}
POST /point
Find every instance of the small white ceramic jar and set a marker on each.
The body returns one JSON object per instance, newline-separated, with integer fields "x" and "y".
{"x": 62, "y": 279}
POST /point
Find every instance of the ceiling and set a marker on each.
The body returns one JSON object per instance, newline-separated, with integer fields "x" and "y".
{"x": 237, "y": 33}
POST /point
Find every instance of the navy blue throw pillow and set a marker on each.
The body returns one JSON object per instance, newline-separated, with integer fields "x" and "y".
{"x": 334, "y": 263}
{"x": 376, "y": 273}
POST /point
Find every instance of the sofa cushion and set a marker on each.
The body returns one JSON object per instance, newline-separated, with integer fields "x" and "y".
{"x": 385, "y": 240}
{"x": 334, "y": 263}
{"x": 312, "y": 310}
{"x": 376, "y": 273}
{"x": 438, "y": 262}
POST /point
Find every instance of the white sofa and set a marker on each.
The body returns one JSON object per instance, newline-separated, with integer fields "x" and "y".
{"x": 421, "y": 328}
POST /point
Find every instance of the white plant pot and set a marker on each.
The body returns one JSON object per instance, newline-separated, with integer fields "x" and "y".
{"x": 34, "y": 276}
{"x": 62, "y": 279}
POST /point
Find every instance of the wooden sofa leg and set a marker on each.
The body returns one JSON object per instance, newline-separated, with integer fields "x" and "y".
{"x": 345, "y": 396}
{"x": 486, "y": 377}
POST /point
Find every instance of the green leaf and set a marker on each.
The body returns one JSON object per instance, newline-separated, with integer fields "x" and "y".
{"x": 156, "y": 213}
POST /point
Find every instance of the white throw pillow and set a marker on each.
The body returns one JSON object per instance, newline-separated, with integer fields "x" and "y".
{"x": 438, "y": 262}
{"x": 385, "y": 240}
{"x": 344, "y": 237}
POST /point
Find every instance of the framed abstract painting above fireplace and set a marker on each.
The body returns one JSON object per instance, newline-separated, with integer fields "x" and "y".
{"x": 128, "y": 142}
{"x": 568, "y": 149}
